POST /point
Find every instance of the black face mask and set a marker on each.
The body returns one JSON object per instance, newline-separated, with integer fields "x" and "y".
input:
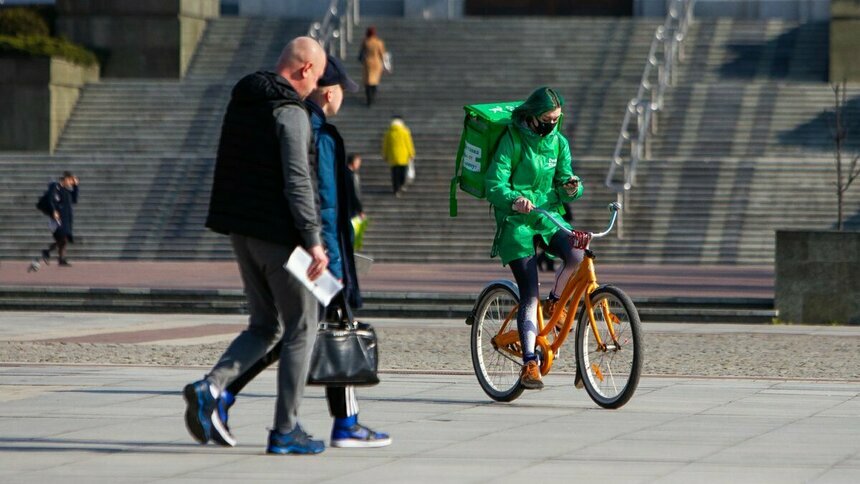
{"x": 542, "y": 128}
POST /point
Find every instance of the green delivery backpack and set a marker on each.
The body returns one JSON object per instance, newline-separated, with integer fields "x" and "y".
{"x": 483, "y": 128}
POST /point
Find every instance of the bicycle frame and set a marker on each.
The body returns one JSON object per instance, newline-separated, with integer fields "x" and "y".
{"x": 578, "y": 287}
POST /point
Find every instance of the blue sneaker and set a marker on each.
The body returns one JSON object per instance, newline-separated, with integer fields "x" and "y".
{"x": 358, "y": 436}
{"x": 201, "y": 409}
{"x": 224, "y": 403}
{"x": 221, "y": 434}
{"x": 295, "y": 442}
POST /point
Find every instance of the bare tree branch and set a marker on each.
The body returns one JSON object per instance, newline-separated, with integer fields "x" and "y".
{"x": 833, "y": 121}
{"x": 853, "y": 172}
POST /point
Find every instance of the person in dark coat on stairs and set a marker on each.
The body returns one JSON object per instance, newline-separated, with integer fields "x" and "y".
{"x": 64, "y": 194}
{"x": 353, "y": 162}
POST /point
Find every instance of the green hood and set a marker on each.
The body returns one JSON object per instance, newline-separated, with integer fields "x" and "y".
{"x": 543, "y": 99}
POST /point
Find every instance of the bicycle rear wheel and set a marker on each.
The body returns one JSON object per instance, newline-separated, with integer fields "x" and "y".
{"x": 610, "y": 373}
{"x": 498, "y": 370}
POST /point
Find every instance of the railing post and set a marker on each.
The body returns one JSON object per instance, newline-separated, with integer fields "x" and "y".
{"x": 648, "y": 102}
{"x": 337, "y": 24}
{"x": 653, "y": 124}
{"x": 349, "y": 26}
{"x": 647, "y": 142}
{"x": 342, "y": 39}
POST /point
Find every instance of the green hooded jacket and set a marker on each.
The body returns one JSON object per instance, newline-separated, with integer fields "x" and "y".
{"x": 544, "y": 166}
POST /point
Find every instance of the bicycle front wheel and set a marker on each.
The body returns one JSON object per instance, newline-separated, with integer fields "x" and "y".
{"x": 497, "y": 369}
{"x": 610, "y": 370}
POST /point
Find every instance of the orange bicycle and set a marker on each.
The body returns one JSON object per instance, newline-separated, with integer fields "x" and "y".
{"x": 608, "y": 332}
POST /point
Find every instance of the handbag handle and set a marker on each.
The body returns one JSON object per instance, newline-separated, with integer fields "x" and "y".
{"x": 347, "y": 319}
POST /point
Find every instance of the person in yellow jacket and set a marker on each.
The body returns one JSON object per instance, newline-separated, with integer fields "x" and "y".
{"x": 399, "y": 152}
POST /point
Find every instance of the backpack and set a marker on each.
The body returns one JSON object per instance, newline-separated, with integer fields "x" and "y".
{"x": 483, "y": 128}
{"x": 44, "y": 203}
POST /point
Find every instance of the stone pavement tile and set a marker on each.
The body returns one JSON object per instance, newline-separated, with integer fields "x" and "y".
{"x": 17, "y": 479}
{"x": 651, "y": 450}
{"x": 428, "y": 469}
{"x": 848, "y": 408}
{"x": 153, "y": 463}
{"x": 26, "y": 392}
{"x": 514, "y": 445}
{"x": 766, "y": 405}
{"x": 820, "y": 388}
{"x": 572, "y": 468}
{"x": 18, "y": 428}
{"x": 331, "y": 464}
{"x": 764, "y": 473}
{"x": 718, "y": 429}
{"x": 664, "y": 394}
{"x": 839, "y": 476}
{"x": 131, "y": 432}
{"x": 807, "y": 441}
{"x": 23, "y": 457}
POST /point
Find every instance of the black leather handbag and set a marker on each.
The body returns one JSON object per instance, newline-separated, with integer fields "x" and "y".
{"x": 344, "y": 353}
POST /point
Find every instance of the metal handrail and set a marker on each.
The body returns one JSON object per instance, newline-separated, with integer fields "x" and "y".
{"x": 337, "y": 26}
{"x": 648, "y": 103}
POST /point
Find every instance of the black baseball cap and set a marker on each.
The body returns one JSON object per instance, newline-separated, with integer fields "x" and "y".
{"x": 335, "y": 73}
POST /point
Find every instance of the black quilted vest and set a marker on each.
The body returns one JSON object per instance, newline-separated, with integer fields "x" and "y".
{"x": 247, "y": 192}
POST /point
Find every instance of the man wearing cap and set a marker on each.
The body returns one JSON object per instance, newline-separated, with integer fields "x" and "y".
{"x": 334, "y": 195}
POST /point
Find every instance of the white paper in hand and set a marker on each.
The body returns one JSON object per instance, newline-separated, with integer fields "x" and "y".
{"x": 323, "y": 288}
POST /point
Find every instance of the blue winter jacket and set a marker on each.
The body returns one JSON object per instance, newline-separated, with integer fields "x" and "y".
{"x": 327, "y": 186}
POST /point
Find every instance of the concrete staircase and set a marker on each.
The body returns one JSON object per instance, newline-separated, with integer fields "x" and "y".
{"x": 145, "y": 116}
{"x": 718, "y": 187}
{"x": 751, "y": 89}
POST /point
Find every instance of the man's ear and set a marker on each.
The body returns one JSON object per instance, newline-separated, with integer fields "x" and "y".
{"x": 306, "y": 69}
{"x": 329, "y": 94}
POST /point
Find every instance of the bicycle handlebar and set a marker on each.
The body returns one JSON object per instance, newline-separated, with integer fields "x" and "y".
{"x": 614, "y": 207}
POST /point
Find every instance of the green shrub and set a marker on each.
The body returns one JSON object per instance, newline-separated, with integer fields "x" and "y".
{"x": 43, "y": 46}
{"x": 22, "y": 21}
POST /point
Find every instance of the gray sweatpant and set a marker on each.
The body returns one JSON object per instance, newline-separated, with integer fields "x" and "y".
{"x": 281, "y": 308}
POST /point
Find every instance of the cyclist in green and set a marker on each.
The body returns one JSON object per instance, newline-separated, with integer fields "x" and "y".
{"x": 542, "y": 177}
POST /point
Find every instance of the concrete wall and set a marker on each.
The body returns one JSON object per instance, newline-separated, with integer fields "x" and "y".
{"x": 144, "y": 38}
{"x": 39, "y": 95}
{"x": 316, "y": 9}
{"x": 430, "y": 9}
{"x": 818, "y": 277}
{"x": 799, "y": 10}
{"x": 845, "y": 41}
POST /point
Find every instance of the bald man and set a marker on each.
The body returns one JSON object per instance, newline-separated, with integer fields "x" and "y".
{"x": 264, "y": 199}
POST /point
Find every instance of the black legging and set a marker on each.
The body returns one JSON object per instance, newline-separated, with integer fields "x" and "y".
{"x": 525, "y": 272}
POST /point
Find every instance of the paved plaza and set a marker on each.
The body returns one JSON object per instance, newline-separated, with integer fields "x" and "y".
{"x": 124, "y": 424}
{"x": 80, "y": 422}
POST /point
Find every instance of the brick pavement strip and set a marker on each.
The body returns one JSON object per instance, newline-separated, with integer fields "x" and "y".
{"x": 639, "y": 280}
